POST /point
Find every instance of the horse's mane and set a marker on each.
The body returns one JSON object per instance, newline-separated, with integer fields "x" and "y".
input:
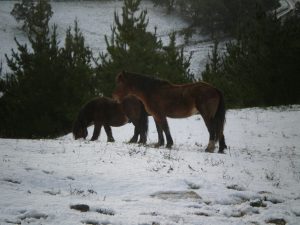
{"x": 145, "y": 82}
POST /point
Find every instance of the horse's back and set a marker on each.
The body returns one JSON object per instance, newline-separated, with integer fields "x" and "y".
{"x": 184, "y": 100}
{"x": 204, "y": 91}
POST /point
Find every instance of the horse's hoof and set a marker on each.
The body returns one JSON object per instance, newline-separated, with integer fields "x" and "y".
{"x": 221, "y": 149}
{"x": 210, "y": 147}
{"x": 157, "y": 145}
{"x": 209, "y": 150}
{"x": 111, "y": 140}
{"x": 169, "y": 146}
{"x": 221, "y": 152}
{"x": 133, "y": 140}
{"x": 142, "y": 141}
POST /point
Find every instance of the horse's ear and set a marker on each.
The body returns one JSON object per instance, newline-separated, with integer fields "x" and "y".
{"x": 120, "y": 77}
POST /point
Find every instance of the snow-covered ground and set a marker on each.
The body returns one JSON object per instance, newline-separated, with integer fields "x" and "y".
{"x": 257, "y": 181}
{"x": 95, "y": 20}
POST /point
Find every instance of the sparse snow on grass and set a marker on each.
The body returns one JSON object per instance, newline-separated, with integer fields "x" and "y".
{"x": 69, "y": 182}
{"x": 64, "y": 181}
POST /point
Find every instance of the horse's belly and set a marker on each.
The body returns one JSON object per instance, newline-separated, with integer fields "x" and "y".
{"x": 117, "y": 122}
{"x": 182, "y": 112}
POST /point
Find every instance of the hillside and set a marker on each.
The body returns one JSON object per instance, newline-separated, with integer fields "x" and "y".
{"x": 95, "y": 20}
{"x": 257, "y": 181}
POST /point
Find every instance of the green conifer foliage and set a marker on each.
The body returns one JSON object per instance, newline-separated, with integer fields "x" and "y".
{"x": 32, "y": 15}
{"x": 218, "y": 17}
{"x": 132, "y": 47}
{"x": 47, "y": 84}
{"x": 261, "y": 68}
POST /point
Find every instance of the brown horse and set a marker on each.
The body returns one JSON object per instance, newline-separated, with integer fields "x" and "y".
{"x": 163, "y": 99}
{"x": 103, "y": 111}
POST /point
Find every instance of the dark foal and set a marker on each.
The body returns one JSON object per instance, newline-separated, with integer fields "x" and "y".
{"x": 106, "y": 112}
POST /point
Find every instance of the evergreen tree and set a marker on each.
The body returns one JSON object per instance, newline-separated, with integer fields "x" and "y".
{"x": 131, "y": 47}
{"x": 31, "y": 15}
{"x": 261, "y": 67}
{"x": 47, "y": 84}
{"x": 219, "y": 16}
{"x": 78, "y": 84}
{"x": 21, "y": 10}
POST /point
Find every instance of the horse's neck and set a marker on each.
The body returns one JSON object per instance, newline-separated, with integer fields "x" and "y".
{"x": 139, "y": 94}
{"x": 85, "y": 118}
{"x": 119, "y": 107}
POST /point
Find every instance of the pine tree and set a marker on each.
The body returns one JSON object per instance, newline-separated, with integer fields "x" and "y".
{"x": 261, "y": 67}
{"x": 217, "y": 17}
{"x": 47, "y": 84}
{"x": 29, "y": 13}
{"x": 78, "y": 85}
{"x": 131, "y": 47}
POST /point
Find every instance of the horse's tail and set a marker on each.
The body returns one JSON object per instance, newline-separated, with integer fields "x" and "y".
{"x": 219, "y": 119}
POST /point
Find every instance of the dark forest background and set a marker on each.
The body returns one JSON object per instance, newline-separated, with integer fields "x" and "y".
{"x": 48, "y": 84}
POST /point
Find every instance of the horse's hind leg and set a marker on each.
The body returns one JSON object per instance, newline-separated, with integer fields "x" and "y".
{"x": 108, "y": 132}
{"x": 222, "y": 144}
{"x": 212, "y": 137}
{"x": 208, "y": 122}
{"x": 96, "y": 133}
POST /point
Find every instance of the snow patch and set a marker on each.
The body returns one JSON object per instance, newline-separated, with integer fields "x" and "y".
{"x": 256, "y": 181}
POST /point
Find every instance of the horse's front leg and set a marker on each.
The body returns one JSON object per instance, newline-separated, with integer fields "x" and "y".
{"x": 135, "y": 135}
{"x": 161, "y": 140}
{"x": 163, "y": 124}
{"x": 96, "y": 133}
{"x": 108, "y": 132}
{"x": 143, "y": 138}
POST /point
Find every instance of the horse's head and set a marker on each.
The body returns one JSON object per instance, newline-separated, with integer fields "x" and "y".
{"x": 122, "y": 87}
{"x": 79, "y": 128}
{"x": 80, "y": 133}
